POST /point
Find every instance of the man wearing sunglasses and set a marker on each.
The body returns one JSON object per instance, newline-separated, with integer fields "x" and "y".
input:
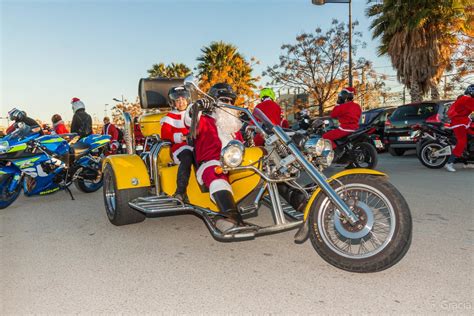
{"x": 348, "y": 113}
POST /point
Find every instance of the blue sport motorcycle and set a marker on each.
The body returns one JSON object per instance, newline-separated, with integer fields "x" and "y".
{"x": 46, "y": 164}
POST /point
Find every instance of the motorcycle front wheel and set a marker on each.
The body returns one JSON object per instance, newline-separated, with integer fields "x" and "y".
{"x": 7, "y": 198}
{"x": 381, "y": 237}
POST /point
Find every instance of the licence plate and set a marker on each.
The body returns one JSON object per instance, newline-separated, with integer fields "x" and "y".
{"x": 405, "y": 138}
{"x": 378, "y": 143}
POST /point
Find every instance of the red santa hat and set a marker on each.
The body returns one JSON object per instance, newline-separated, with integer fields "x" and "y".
{"x": 350, "y": 90}
{"x": 75, "y": 100}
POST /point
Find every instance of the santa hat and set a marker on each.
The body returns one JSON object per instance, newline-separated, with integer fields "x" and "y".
{"x": 350, "y": 90}
{"x": 75, "y": 100}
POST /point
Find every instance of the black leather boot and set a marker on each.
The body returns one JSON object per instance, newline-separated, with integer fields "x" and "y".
{"x": 226, "y": 204}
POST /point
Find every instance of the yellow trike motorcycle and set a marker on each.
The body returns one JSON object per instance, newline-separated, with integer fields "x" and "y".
{"x": 356, "y": 220}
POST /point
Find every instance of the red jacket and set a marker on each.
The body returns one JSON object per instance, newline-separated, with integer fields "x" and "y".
{"x": 285, "y": 124}
{"x": 461, "y": 110}
{"x": 348, "y": 114}
{"x": 273, "y": 111}
{"x": 60, "y": 128}
{"x": 110, "y": 129}
{"x": 172, "y": 129}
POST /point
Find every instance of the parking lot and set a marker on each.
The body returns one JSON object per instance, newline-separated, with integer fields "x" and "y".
{"x": 61, "y": 256}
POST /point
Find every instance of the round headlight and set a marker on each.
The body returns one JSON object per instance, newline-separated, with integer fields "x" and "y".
{"x": 233, "y": 154}
{"x": 329, "y": 157}
{"x": 4, "y": 147}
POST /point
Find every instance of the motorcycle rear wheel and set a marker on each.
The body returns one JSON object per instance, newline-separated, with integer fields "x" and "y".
{"x": 383, "y": 235}
{"x": 426, "y": 157}
{"x": 365, "y": 156}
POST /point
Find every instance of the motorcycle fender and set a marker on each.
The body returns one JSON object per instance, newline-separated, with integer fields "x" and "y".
{"x": 130, "y": 171}
{"x": 337, "y": 176}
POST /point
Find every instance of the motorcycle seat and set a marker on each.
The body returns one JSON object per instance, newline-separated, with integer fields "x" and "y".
{"x": 350, "y": 137}
{"x": 79, "y": 149}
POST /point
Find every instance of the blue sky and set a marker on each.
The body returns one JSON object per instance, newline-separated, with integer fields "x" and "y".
{"x": 54, "y": 50}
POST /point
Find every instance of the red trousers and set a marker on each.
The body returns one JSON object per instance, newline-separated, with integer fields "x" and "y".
{"x": 334, "y": 134}
{"x": 461, "y": 140}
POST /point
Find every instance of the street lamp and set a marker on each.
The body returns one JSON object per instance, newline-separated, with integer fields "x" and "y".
{"x": 322, "y": 2}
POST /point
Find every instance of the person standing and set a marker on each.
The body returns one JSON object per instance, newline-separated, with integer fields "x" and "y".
{"x": 112, "y": 131}
{"x": 58, "y": 125}
{"x": 81, "y": 121}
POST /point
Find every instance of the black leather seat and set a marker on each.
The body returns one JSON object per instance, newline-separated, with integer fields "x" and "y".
{"x": 356, "y": 134}
{"x": 79, "y": 149}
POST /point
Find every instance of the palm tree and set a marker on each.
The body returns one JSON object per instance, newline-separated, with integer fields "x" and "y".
{"x": 172, "y": 70}
{"x": 420, "y": 37}
{"x": 221, "y": 62}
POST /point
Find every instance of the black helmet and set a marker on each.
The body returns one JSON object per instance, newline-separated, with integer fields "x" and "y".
{"x": 346, "y": 94}
{"x": 222, "y": 90}
{"x": 16, "y": 115}
{"x": 470, "y": 90}
{"x": 178, "y": 92}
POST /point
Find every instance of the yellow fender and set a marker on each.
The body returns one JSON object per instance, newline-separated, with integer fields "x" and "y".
{"x": 336, "y": 176}
{"x": 130, "y": 171}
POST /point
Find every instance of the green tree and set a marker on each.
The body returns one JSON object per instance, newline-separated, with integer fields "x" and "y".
{"x": 221, "y": 62}
{"x": 420, "y": 37}
{"x": 172, "y": 70}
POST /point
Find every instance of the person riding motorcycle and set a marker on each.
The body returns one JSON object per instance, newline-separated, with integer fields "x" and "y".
{"x": 348, "y": 113}
{"x": 304, "y": 121}
{"x": 175, "y": 131}
{"x": 19, "y": 116}
{"x": 81, "y": 121}
{"x": 270, "y": 108}
{"x": 211, "y": 131}
{"x": 459, "y": 113}
{"x": 58, "y": 125}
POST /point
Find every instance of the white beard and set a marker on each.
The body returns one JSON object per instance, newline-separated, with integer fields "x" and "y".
{"x": 228, "y": 123}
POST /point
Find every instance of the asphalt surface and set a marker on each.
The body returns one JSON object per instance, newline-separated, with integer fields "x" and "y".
{"x": 60, "y": 256}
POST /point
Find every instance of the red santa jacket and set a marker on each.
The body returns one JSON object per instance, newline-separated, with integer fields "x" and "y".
{"x": 273, "y": 111}
{"x": 460, "y": 111}
{"x": 110, "y": 129}
{"x": 60, "y": 128}
{"x": 348, "y": 114}
{"x": 285, "y": 124}
{"x": 173, "y": 129}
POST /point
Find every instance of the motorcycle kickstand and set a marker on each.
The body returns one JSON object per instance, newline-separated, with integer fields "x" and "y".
{"x": 70, "y": 193}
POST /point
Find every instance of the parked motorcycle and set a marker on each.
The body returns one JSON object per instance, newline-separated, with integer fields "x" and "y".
{"x": 356, "y": 150}
{"x": 356, "y": 220}
{"x": 47, "y": 164}
{"x": 435, "y": 143}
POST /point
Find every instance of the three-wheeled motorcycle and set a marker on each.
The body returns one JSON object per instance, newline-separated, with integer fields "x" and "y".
{"x": 356, "y": 219}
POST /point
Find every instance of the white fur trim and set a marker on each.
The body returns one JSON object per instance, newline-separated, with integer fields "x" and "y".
{"x": 219, "y": 185}
{"x": 78, "y": 105}
{"x": 177, "y": 138}
{"x": 173, "y": 122}
{"x": 459, "y": 125}
{"x": 203, "y": 167}
{"x": 347, "y": 130}
{"x": 180, "y": 150}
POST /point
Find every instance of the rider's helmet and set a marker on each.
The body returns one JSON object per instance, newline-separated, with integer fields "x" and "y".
{"x": 56, "y": 118}
{"x": 470, "y": 90}
{"x": 267, "y": 93}
{"x": 178, "y": 92}
{"x": 346, "y": 94}
{"x": 77, "y": 104}
{"x": 16, "y": 115}
{"x": 223, "y": 92}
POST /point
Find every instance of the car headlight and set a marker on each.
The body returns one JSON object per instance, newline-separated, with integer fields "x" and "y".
{"x": 4, "y": 147}
{"x": 232, "y": 155}
{"x": 317, "y": 146}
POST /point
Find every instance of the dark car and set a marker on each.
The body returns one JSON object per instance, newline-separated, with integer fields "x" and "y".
{"x": 398, "y": 126}
{"x": 376, "y": 118}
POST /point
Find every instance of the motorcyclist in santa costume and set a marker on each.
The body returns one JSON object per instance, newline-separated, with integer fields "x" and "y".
{"x": 174, "y": 130}
{"x": 348, "y": 113}
{"x": 459, "y": 113}
{"x": 270, "y": 108}
{"x": 211, "y": 130}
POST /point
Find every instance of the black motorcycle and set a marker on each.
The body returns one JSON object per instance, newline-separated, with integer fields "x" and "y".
{"x": 435, "y": 143}
{"x": 355, "y": 151}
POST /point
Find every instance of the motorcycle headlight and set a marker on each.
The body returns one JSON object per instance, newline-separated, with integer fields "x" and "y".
{"x": 329, "y": 155}
{"x": 232, "y": 155}
{"x": 316, "y": 146}
{"x": 4, "y": 147}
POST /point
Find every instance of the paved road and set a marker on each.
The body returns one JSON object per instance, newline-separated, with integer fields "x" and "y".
{"x": 61, "y": 256}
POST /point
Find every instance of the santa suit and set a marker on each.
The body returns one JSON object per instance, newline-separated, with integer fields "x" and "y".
{"x": 173, "y": 129}
{"x": 60, "y": 128}
{"x": 214, "y": 131}
{"x": 110, "y": 129}
{"x": 348, "y": 114}
{"x": 459, "y": 114}
{"x": 273, "y": 111}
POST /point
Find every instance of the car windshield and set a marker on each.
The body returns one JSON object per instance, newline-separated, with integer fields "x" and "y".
{"x": 417, "y": 111}
{"x": 366, "y": 117}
